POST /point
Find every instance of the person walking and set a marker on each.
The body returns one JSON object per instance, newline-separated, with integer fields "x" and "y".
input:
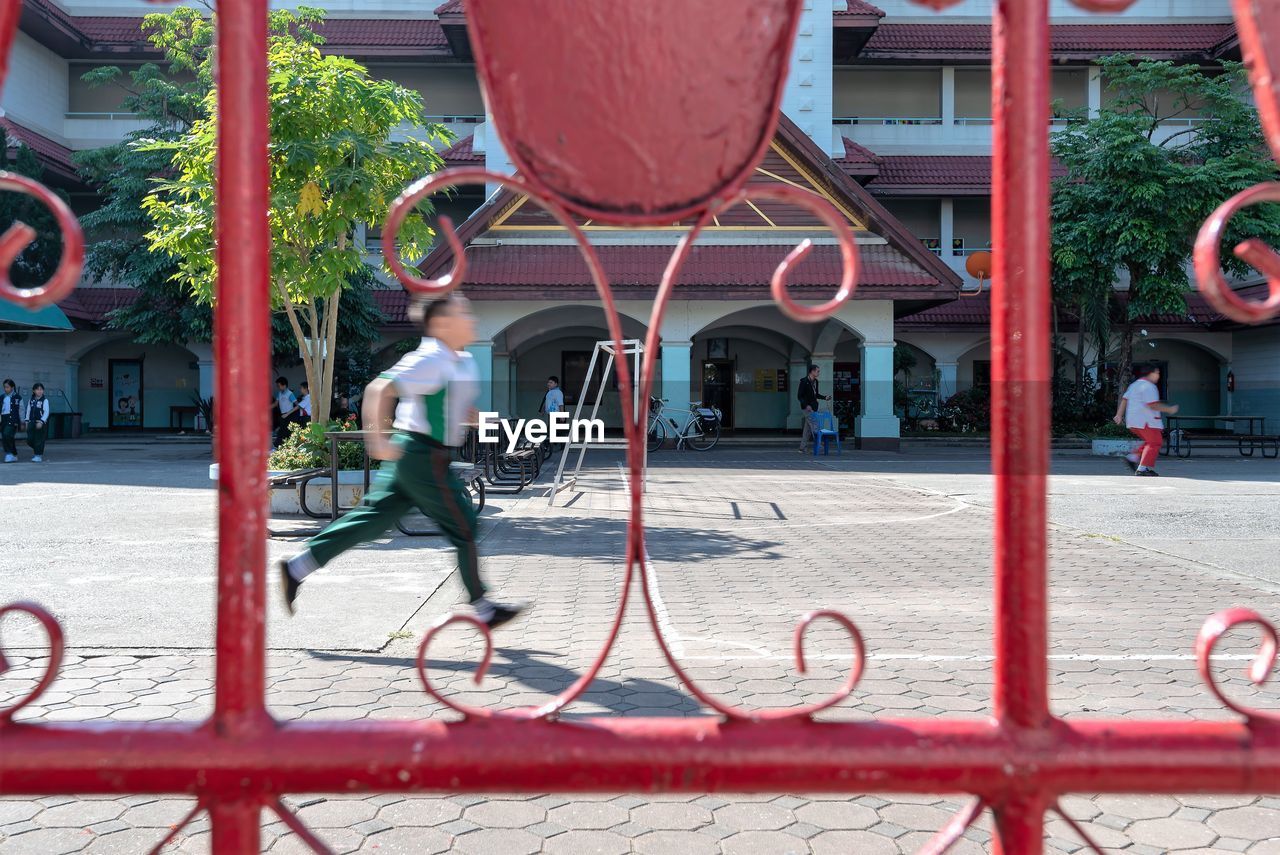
{"x": 809, "y": 396}
{"x": 37, "y": 422}
{"x": 10, "y": 418}
{"x": 1139, "y": 409}
{"x": 432, "y": 392}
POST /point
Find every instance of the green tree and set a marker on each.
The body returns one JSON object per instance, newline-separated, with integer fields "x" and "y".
{"x": 38, "y": 261}
{"x": 1137, "y": 189}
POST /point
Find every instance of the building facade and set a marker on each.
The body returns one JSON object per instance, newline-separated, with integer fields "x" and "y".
{"x": 886, "y": 115}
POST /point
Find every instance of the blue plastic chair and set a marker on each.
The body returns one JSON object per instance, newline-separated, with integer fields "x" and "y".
{"x": 825, "y": 429}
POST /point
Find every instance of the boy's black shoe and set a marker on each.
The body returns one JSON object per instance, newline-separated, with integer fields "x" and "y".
{"x": 1148, "y": 473}
{"x": 288, "y": 586}
{"x": 1133, "y": 467}
{"x": 504, "y": 614}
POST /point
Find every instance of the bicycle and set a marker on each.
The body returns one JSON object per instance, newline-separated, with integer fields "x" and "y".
{"x": 701, "y": 431}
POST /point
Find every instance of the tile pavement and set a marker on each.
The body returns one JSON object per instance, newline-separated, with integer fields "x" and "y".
{"x": 739, "y": 549}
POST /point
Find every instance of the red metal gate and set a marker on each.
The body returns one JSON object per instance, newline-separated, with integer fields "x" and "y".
{"x": 1016, "y": 763}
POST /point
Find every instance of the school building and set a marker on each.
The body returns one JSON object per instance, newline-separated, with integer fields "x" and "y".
{"x": 886, "y": 115}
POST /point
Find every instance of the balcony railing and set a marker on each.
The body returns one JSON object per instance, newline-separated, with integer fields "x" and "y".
{"x": 887, "y": 120}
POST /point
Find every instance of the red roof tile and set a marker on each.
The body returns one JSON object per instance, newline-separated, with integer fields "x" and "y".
{"x": 903, "y": 40}
{"x": 338, "y": 32}
{"x": 855, "y": 8}
{"x": 905, "y": 175}
{"x": 858, "y": 155}
{"x": 92, "y": 305}
{"x": 538, "y": 266}
{"x": 53, "y": 154}
{"x": 461, "y": 153}
{"x": 453, "y": 7}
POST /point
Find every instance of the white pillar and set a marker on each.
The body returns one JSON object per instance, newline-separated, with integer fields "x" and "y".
{"x": 795, "y": 414}
{"x": 946, "y": 228}
{"x": 948, "y": 100}
{"x": 807, "y": 98}
{"x": 677, "y": 376}
{"x": 483, "y": 353}
{"x": 72, "y": 386}
{"x": 206, "y": 377}
{"x": 1094, "y": 97}
{"x": 502, "y": 402}
{"x": 877, "y": 427}
{"x": 947, "y": 379}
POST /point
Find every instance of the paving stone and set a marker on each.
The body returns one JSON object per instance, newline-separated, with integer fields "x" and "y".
{"x": 753, "y": 817}
{"x": 505, "y": 841}
{"x": 1171, "y": 833}
{"x": 587, "y": 843}
{"x": 16, "y": 811}
{"x": 834, "y": 815}
{"x": 673, "y": 842}
{"x": 764, "y": 843}
{"x": 342, "y": 813}
{"x": 1250, "y": 823}
{"x": 588, "y": 815}
{"x": 847, "y": 842}
{"x": 671, "y": 816}
{"x": 419, "y": 811}
{"x": 408, "y": 841}
{"x": 79, "y": 814}
{"x": 47, "y": 841}
{"x": 1138, "y": 807}
{"x": 506, "y": 814}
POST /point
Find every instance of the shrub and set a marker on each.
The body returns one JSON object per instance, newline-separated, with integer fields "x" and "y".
{"x": 967, "y": 411}
{"x": 306, "y": 448}
{"x": 1111, "y": 430}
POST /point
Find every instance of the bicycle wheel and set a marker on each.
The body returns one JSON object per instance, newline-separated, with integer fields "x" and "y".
{"x": 657, "y": 434}
{"x": 700, "y": 436}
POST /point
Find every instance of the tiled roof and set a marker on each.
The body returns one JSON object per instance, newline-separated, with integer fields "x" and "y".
{"x": 461, "y": 153}
{"x": 338, "y": 32}
{"x": 855, "y": 8}
{"x": 858, "y": 155}
{"x": 453, "y": 7}
{"x": 1065, "y": 39}
{"x": 53, "y": 154}
{"x": 905, "y": 175}
{"x": 92, "y": 305}
{"x": 974, "y": 311}
{"x": 718, "y": 267}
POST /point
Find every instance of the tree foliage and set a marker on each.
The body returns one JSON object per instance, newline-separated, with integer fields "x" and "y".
{"x": 1169, "y": 144}
{"x": 343, "y": 144}
{"x": 39, "y": 260}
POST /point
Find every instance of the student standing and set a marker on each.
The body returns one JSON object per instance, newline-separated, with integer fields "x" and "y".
{"x": 809, "y": 396}
{"x": 1140, "y": 410}
{"x": 10, "y": 418}
{"x": 287, "y": 403}
{"x": 432, "y": 392}
{"x": 37, "y": 422}
{"x": 553, "y": 402}
{"x": 304, "y": 405}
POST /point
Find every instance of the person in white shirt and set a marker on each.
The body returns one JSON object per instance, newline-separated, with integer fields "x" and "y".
{"x": 304, "y": 405}
{"x": 554, "y": 400}
{"x": 1140, "y": 410}
{"x": 432, "y": 392}
{"x": 288, "y": 404}
{"x": 10, "y": 419}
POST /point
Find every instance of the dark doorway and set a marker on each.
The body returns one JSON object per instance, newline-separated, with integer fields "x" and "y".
{"x": 846, "y": 392}
{"x": 717, "y": 388}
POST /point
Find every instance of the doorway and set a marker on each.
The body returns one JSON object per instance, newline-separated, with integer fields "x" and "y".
{"x": 717, "y": 388}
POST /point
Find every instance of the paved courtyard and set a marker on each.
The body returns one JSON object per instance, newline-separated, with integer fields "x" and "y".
{"x": 742, "y": 541}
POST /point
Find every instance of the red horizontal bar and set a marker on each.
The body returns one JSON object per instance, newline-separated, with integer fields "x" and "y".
{"x": 649, "y": 754}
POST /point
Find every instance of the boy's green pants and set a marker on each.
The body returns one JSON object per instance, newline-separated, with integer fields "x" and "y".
{"x": 420, "y": 478}
{"x": 36, "y": 437}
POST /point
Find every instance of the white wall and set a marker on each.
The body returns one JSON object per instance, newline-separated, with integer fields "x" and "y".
{"x": 36, "y": 93}
{"x": 807, "y": 98}
{"x": 30, "y": 358}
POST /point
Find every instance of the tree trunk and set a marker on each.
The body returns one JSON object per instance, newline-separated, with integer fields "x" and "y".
{"x": 1080, "y": 345}
{"x": 331, "y": 348}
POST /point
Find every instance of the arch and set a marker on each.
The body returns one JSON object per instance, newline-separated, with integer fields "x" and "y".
{"x": 1174, "y": 337}
{"x": 539, "y": 323}
{"x": 769, "y": 316}
{"x": 170, "y": 377}
{"x": 833, "y": 332}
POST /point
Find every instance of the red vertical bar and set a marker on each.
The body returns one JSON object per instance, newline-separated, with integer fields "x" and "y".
{"x": 242, "y": 354}
{"x": 1020, "y": 825}
{"x": 1020, "y": 357}
{"x": 234, "y": 827}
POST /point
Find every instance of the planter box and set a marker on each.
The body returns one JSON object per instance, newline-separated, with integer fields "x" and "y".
{"x": 319, "y": 491}
{"x": 1112, "y": 447}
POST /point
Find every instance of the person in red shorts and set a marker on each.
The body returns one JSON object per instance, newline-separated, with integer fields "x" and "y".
{"x": 1140, "y": 410}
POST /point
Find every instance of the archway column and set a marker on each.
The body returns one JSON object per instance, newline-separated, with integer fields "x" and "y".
{"x": 677, "y": 375}
{"x": 797, "y": 365}
{"x": 482, "y": 351}
{"x": 948, "y": 379}
{"x": 72, "y": 386}
{"x": 877, "y": 427}
{"x": 502, "y": 383}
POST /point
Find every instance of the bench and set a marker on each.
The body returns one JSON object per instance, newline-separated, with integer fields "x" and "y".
{"x": 1180, "y": 442}
{"x": 470, "y": 475}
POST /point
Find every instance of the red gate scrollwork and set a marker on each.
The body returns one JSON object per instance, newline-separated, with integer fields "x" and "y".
{"x": 1016, "y": 763}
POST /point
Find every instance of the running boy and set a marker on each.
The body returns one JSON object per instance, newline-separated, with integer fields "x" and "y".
{"x": 37, "y": 422}
{"x": 432, "y": 392}
{"x": 1140, "y": 410}
{"x": 10, "y": 418}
